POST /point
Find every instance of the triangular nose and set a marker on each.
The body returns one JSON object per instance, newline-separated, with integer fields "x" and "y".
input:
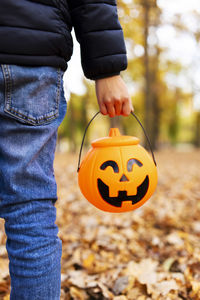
{"x": 124, "y": 178}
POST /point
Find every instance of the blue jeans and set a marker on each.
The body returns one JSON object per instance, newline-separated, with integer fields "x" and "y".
{"x": 32, "y": 106}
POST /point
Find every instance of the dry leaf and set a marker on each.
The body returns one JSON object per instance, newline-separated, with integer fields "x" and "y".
{"x": 156, "y": 247}
{"x": 4, "y": 269}
{"x": 144, "y": 272}
{"x": 164, "y": 287}
{"x": 120, "y": 298}
{"x": 120, "y": 284}
{"x": 89, "y": 261}
{"x": 77, "y": 294}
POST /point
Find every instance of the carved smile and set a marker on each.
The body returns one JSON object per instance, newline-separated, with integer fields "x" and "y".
{"x": 122, "y": 195}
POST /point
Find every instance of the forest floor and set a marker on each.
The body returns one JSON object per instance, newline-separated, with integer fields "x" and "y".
{"x": 150, "y": 253}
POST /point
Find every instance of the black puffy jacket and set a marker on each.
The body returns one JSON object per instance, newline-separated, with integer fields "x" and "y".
{"x": 38, "y": 32}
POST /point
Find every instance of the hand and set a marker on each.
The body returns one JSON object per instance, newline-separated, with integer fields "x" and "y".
{"x": 113, "y": 97}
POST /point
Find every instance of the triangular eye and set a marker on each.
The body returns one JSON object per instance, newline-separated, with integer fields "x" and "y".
{"x": 131, "y": 162}
{"x": 110, "y": 163}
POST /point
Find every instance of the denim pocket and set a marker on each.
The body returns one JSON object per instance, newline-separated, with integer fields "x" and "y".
{"x": 32, "y": 94}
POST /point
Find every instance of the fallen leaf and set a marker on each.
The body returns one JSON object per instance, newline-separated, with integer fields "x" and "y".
{"x": 120, "y": 284}
{"x": 89, "y": 261}
{"x": 144, "y": 272}
{"x": 164, "y": 287}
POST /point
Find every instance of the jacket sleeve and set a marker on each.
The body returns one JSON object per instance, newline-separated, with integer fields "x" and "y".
{"x": 100, "y": 35}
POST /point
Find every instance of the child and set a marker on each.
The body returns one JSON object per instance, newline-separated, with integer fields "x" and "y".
{"x": 35, "y": 46}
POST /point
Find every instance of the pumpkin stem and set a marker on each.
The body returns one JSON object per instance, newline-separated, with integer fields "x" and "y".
{"x": 114, "y": 132}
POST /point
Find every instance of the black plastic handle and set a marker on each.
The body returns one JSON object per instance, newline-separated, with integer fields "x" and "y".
{"x": 81, "y": 148}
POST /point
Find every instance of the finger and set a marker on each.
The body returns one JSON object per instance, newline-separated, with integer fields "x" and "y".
{"x": 110, "y": 108}
{"x": 118, "y": 107}
{"x": 127, "y": 108}
{"x": 103, "y": 109}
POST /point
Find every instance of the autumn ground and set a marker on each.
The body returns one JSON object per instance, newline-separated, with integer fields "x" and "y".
{"x": 150, "y": 253}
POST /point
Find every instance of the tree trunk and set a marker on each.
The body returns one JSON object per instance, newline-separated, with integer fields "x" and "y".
{"x": 151, "y": 65}
{"x": 147, "y": 92}
{"x": 197, "y": 134}
{"x": 155, "y": 101}
{"x": 84, "y": 119}
{"x": 72, "y": 131}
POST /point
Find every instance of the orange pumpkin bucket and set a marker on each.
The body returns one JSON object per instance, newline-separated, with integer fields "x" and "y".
{"x": 117, "y": 174}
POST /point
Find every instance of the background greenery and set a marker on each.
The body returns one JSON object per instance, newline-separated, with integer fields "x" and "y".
{"x": 163, "y": 87}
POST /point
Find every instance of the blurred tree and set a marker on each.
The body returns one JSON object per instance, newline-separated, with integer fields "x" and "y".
{"x": 80, "y": 109}
{"x": 150, "y": 67}
{"x": 70, "y": 125}
{"x": 197, "y": 131}
{"x": 174, "y": 119}
{"x": 196, "y": 89}
{"x": 151, "y": 75}
{"x": 143, "y": 17}
{"x": 151, "y": 62}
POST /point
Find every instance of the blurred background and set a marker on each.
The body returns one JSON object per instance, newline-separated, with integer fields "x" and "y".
{"x": 154, "y": 251}
{"x": 162, "y": 40}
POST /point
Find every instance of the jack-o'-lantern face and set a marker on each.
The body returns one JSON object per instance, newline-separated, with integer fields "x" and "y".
{"x": 122, "y": 194}
{"x": 117, "y": 174}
